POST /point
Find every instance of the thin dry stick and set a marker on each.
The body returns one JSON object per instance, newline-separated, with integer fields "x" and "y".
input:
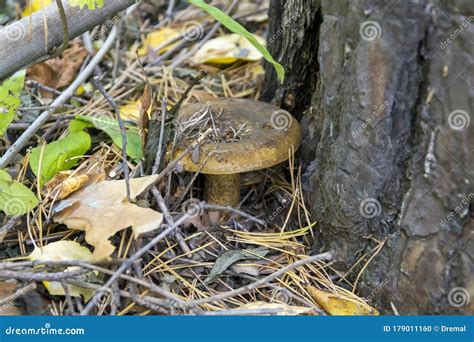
{"x": 70, "y": 304}
{"x": 124, "y": 294}
{"x": 188, "y": 150}
{"x": 38, "y": 85}
{"x": 9, "y": 226}
{"x": 29, "y": 264}
{"x": 111, "y": 101}
{"x": 18, "y": 293}
{"x": 65, "y": 42}
{"x": 263, "y": 281}
{"x": 40, "y": 276}
{"x": 159, "y": 151}
{"x": 169, "y": 219}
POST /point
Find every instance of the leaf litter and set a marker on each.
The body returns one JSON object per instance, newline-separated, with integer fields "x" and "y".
{"x": 80, "y": 212}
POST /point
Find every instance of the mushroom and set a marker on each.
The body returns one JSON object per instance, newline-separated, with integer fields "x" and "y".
{"x": 247, "y": 135}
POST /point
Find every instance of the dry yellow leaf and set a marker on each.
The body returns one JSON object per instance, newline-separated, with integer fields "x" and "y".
{"x": 35, "y": 5}
{"x": 64, "y": 251}
{"x": 131, "y": 111}
{"x": 228, "y": 49}
{"x": 102, "y": 209}
{"x": 155, "y": 39}
{"x": 286, "y": 310}
{"x": 63, "y": 184}
{"x": 61, "y": 251}
{"x": 335, "y": 305}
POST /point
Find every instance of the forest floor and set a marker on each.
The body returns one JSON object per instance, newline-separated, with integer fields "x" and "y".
{"x": 253, "y": 259}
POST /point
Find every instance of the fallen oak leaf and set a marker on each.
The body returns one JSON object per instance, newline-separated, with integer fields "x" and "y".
{"x": 102, "y": 209}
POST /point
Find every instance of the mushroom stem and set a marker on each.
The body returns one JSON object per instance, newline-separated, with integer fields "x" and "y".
{"x": 223, "y": 190}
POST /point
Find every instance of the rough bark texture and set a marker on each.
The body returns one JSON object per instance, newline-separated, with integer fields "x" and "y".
{"x": 385, "y": 161}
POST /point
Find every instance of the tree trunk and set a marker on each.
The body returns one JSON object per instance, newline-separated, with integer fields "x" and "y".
{"x": 384, "y": 90}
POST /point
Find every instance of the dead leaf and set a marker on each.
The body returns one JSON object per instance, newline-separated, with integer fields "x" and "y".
{"x": 64, "y": 251}
{"x": 230, "y": 257}
{"x": 102, "y": 209}
{"x": 154, "y": 40}
{"x": 286, "y": 310}
{"x": 64, "y": 184}
{"x": 144, "y": 118}
{"x": 131, "y": 110}
{"x": 8, "y": 289}
{"x": 227, "y": 49}
{"x": 335, "y": 305}
{"x": 61, "y": 71}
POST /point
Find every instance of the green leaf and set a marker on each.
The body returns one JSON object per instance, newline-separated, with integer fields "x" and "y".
{"x": 59, "y": 155}
{"x": 91, "y": 4}
{"x": 10, "y": 98}
{"x": 4, "y": 175}
{"x": 235, "y": 27}
{"x": 112, "y": 129}
{"x": 76, "y": 126}
{"x": 15, "y": 198}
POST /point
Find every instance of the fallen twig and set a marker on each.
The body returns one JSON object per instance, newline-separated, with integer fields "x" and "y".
{"x": 169, "y": 219}
{"x": 159, "y": 151}
{"x": 111, "y": 101}
{"x": 9, "y": 226}
{"x": 188, "y": 150}
{"x": 5, "y": 274}
{"x": 25, "y": 38}
{"x": 65, "y": 95}
{"x": 18, "y": 293}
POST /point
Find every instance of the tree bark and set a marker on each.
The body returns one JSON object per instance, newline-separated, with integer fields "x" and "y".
{"x": 384, "y": 90}
{"x": 22, "y": 44}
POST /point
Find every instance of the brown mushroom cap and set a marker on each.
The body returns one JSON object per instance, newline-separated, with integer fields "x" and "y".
{"x": 268, "y": 135}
